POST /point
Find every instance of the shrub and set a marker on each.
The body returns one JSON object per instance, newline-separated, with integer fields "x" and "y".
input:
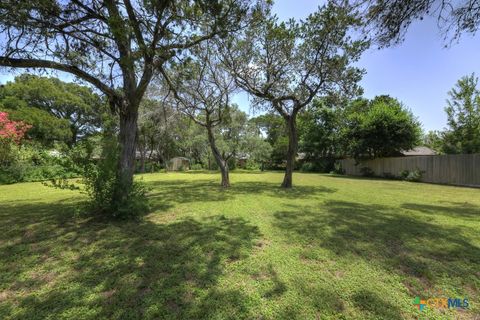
{"x": 213, "y": 165}
{"x": 412, "y": 176}
{"x": 196, "y": 166}
{"x": 404, "y": 174}
{"x": 11, "y": 133}
{"x": 29, "y": 162}
{"x": 337, "y": 168}
{"x": 367, "y": 172}
{"x": 99, "y": 178}
{"x": 308, "y": 167}
{"x": 101, "y": 181}
{"x": 150, "y": 166}
{"x": 252, "y": 165}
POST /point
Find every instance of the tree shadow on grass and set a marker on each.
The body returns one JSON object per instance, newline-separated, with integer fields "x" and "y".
{"x": 327, "y": 303}
{"x": 374, "y": 305}
{"x": 235, "y": 171}
{"x": 421, "y": 252}
{"x": 54, "y": 265}
{"x": 183, "y": 191}
{"x": 463, "y": 210}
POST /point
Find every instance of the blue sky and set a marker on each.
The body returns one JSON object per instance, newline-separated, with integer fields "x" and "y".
{"x": 419, "y": 72}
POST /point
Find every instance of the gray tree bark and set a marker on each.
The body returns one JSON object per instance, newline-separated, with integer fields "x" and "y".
{"x": 291, "y": 151}
{"x": 221, "y": 162}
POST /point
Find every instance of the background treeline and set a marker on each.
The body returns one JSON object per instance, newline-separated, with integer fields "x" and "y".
{"x": 67, "y": 120}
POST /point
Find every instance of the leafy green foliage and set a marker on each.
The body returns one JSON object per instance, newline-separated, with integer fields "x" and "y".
{"x": 338, "y": 169}
{"x": 434, "y": 141}
{"x": 237, "y": 136}
{"x": 273, "y": 126}
{"x": 412, "y": 176}
{"x": 99, "y": 180}
{"x": 367, "y": 172}
{"x": 320, "y": 127}
{"x": 308, "y": 167}
{"x": 463, "y": 117}
{"x": 32, "y": 162}
{"x": 380, "y": 128}
{"x": 165, "y": 133}
{"x": 57, "y": 110}
{"x": 45, "y": 128}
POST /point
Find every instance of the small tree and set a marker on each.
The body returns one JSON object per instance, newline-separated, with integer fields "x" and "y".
{"x": 256, "y": 147}
{"x": 463, "y": 114}
{"x": 203, "y": 90}
{"x": 434, "y": 140}
{"x": 159, "y": 129}
{"x": 285, "y": 65}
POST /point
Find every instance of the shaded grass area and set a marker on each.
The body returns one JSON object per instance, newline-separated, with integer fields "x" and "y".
{"x": 328, "y": 249}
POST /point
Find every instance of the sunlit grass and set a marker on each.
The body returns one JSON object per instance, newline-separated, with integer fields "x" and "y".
{"x": 333, "y": 247}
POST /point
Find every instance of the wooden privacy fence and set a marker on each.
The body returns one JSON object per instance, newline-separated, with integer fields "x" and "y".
{"x": 458, "y": 169}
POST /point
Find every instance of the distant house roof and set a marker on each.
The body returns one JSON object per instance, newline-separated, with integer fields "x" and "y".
{"x": 242, "y": 156}
{"x": 419, "y": 151}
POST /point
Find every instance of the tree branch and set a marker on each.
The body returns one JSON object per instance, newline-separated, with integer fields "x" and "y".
{"x": 38, "y": 63}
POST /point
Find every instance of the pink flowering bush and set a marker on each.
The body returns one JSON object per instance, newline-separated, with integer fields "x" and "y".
{"x": 11, "y": 132}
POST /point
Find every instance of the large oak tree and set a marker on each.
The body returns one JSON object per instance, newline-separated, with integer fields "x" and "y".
{"x": 115, "y": 45}
{"x": 78, "y": 105}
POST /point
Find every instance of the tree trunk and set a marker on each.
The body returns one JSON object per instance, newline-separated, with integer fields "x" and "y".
{"x": 73, "y": 140}
{"x": 292, "y": 150}
{"x": 225, "y": 175}
{"x": 222, "y": 163}
{"x": 126, "y": 160}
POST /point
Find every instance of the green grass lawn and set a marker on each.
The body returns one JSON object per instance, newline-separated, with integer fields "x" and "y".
{"x": 331, "y": 248}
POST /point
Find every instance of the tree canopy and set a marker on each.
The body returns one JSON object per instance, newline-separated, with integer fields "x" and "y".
{"x": 463, "y": 117}
{"x": 381, "y": 127}
{"x": 59, "y": 110}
